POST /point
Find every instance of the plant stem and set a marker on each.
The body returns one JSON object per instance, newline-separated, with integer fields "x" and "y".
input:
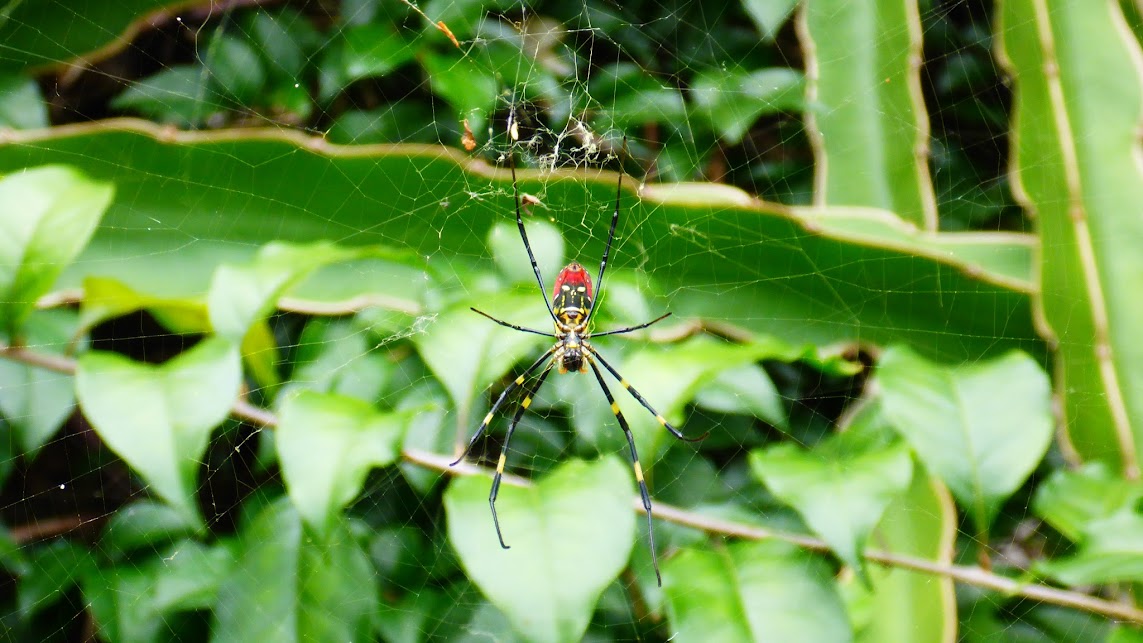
{"x": 977, "y": 576}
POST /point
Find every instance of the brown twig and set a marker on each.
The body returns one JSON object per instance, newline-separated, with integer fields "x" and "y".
{"x": 960, "y": 573}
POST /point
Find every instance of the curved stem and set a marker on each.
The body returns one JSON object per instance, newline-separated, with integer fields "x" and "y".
{"x": 976, "y": 576}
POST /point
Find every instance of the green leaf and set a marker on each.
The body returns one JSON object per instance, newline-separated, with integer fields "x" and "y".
{"x": 106, "y": 298}
{"x": 841, "y": 487}
{"x": 179, "y": 95}
{"x": 548, "y": 582}
{"x": 745, "y": 390}
{"x": 469, "y": 89}
{"x": 336, "y": 356}
{"x": 143, "y": 524}
{"x": 191, "y": 576}
{"x": 46, "y": 32}
{"x": 52, "y": 213}
{"x": 906, "y": 606}
{"x": 897, "y": 286}
{"x": 1075, "y": 164}
{"x": 21, "y": 106}
{"x": 732, "y": 99}
{"x": 159, "y": 418}
{"x": 235, "y": 67}
{"x": 362, "y": 51}
{"x": 53, "y": 570}
{"x": 760, "y": 591}
{"x": 36, "y": 401}
{"x": 1070, "y": 501}
{"x": 768, "y": 15}
{"x": 466, "y": 353}
{"x": 243, "y": 295}
{"x": 289, "y": 586}
{"x": 1111, "y": 551}
{"x": 866, "y": 119}
{"x": 326, "y": 444}
{"x": 982, "y": 427}
{"x": 285, "y": 39}
{"x": 512, "y": 258}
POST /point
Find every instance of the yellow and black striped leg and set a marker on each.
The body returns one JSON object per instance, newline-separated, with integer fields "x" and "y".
{"x": 500, "y": 401}
{"x": 639, "y": 398}
{"x": 524, "y": 404}
{"x": 634, "y": 461}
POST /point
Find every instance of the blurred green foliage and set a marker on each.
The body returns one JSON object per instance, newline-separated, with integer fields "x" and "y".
{"x": 241, "y": 356}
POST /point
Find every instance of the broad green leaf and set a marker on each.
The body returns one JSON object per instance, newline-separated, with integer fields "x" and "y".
{"x": 1078, "y": 93}
{"x": 637, "y": 98}
{"x": 191, "y": 576}
{"x": 235, "y": 67}
{"x": 732, "y": 99}
{"x": 105, "y": 299}
{"x": 866, "y": 115}
{"x": 826, "y": 277}
{"x": 982, "y": 427}
{"x": 140, "y": 525}
{"x": 510, "y": 256}
{"x": 470, "y": 89}
{"x": 36, "y": 401}
{"x": 760, "y": 591}
{"x": 159, "y": 418}
{"x": 243, "y": 295}
{"x": 907, "y": 606}
{"x": 181, "y": 95}
{"x": 21, "y": 106}
{"x": 745, "y": 390}
{"x": 1070, "y": 501}
{"x": 326, "y": 444}
{"x": 1110, "y": 551}
{"x": 284, "y": 38}
{"x": 49, "y": 215}
{"x": 53, "y": 569}
{"x": 287, "y": 585}
{"x": 468, "y": 353}
{"x": 570, "y": 536}
{"x": 46, "y": 32}
{"x": 841, "y": 487}
{"x": 768, "y": 15}
{"x": 336, "y": 356}
{"x": 361, "y": 51}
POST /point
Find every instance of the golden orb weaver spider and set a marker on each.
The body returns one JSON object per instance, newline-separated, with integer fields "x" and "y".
{"x": 571, "y": 308}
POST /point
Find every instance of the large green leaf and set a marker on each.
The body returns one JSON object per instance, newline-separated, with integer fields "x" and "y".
{"x": 159, "y": 418}
{"x": 980, "y": 427}
{"x": 288, "y": 585}
{"x": 47, "y": 32}
{"x": 1111, "y": 550}
{"x": 906, "y": 606}
{"x": 1078, "y": 93}
{"x": 36, "y": 401}
{"x": 326, "y": 444}
{"x": 1070, "y": 501}
{"x": 50, "y": 214}
{"x": 825, "y": 276}
{"x": 570, "y": 536}
{"x": 759, "y": 591}
{"x": 841, "y": 487}
{"x": 866, "y": 115}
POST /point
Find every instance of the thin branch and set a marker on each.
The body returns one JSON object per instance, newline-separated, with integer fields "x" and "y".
{"x": 977, "y": 576}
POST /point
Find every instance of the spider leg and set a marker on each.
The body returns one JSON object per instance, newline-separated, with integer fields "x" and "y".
{"x": 521, "y": 328}
{"x": 640, "y": 399}
{"x": 524, "y": 404}
{"x": 520, "y": 220}
{"x": 610, "y": 238}
{"x": 634, "y": 462}
{"x": 500, "y": 401}
{"x": 621, "y": 331}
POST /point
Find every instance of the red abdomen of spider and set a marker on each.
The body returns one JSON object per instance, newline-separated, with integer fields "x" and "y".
{"x": 571, "y": 298}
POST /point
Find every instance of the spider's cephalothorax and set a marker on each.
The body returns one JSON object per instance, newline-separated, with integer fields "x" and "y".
{"x": 571, "y": 311}
{"x": 571, "y": 304}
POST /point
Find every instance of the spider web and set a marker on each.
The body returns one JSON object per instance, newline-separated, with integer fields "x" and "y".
{"x": 590, "y": 88}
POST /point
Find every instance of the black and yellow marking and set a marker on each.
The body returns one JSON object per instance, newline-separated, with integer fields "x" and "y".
{"x": 641, "y": 400}
{"x": 634, "y": 461}
{"x": 527, "y": 401}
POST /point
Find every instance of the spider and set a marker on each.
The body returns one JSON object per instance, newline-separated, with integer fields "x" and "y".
{"x": 571, "y": 308}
